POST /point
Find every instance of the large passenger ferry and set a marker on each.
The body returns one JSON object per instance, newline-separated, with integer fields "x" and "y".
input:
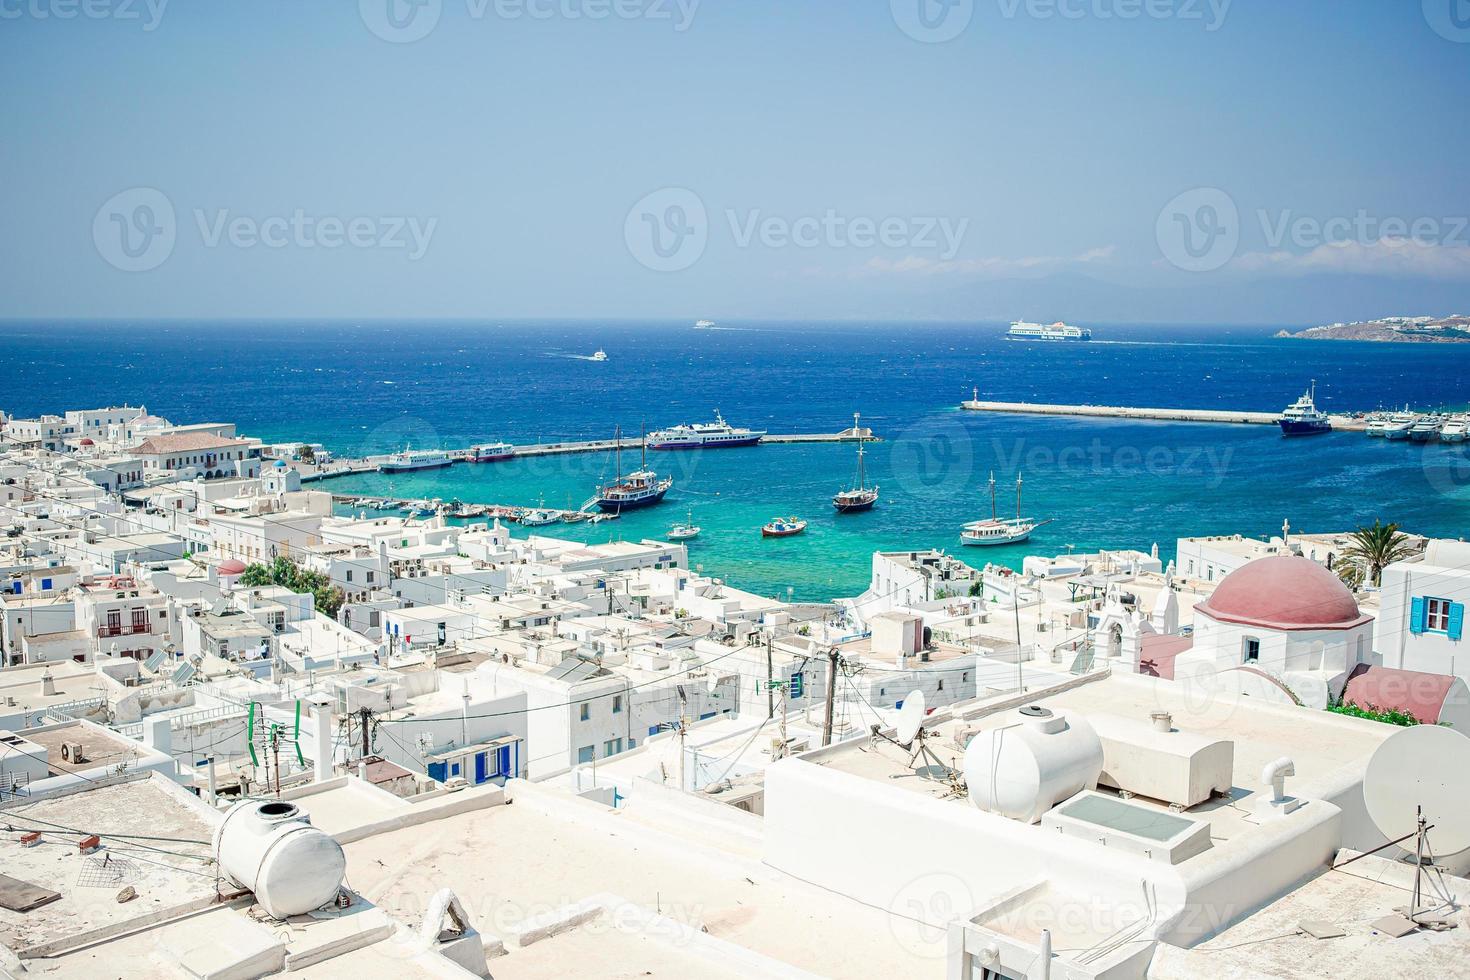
{"x": 1022, "y": 330}
{"x": 414, "y": 459}
{"x": 704, "y": 435}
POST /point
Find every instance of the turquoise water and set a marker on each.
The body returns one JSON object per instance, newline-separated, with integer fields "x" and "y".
{"x": 1105, "y": 483}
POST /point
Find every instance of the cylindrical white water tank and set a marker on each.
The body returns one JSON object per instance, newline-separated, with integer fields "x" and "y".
{"x": 1021, "y": 771}
{"x": 272, "y": 849}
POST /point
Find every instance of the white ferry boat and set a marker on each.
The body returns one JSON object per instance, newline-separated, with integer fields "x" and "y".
{"x": 704, "y": 435}
{"x": 703, "y": 324}
{"x": 415, "y": 459}
{"x": 1022, "y": 330}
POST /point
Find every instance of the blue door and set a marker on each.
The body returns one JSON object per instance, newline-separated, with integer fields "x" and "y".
{"x": 502, "y": 762}
{"x": 437, "y": 771}
{"x": 480, "y": 772}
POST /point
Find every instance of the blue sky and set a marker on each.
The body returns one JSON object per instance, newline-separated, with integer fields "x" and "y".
{"x": 799, "y": 159}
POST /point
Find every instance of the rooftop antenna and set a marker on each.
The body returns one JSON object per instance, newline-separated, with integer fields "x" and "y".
{"x": 1415, "y": 783}
{"x": 910, "y": 735}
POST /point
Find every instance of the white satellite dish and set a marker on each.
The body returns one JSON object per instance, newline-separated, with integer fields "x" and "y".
{"x": 1421, "y": 770}
{"x": 910, "y": 719}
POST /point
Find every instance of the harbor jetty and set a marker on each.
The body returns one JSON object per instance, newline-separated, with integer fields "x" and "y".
{"x": 1206, "y": 415}
{"x": 370, "y": 464}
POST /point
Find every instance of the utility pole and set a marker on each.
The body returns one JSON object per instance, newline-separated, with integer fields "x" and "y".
{"x": 770, "y": 679}
{"x": 276, "y": 758}
{"x": 365, "y": 716}
{"x": 831, "y": 692}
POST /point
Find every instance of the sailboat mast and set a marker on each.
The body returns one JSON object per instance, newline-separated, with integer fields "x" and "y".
{"x": 643, "y": 441}
{"x": 859, "y": 433}
{"x": 992, "y": 495}
{"x": 618, "y": 451}
{"x": 1018, "y": 496}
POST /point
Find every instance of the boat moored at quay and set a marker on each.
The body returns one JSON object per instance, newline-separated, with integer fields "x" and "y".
{"x": 411, "y": 460}
{"x": 718, "y": 434}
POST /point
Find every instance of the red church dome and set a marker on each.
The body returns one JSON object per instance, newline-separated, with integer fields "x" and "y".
{"x": 1284, "y": 592}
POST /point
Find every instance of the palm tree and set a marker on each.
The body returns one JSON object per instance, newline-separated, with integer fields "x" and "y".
{"x": 1377, "y": 547}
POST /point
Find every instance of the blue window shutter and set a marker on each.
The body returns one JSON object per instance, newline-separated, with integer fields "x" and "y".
{"x": 1416, "y": 615}
{"x": 1457, "y": 620}
{"x": 45, "y": 585}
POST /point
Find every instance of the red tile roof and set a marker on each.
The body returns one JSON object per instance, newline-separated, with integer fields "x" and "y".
{"x": 185, "y": 442}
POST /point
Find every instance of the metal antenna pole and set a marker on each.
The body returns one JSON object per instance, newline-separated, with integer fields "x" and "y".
{"x": 770, "y": 679}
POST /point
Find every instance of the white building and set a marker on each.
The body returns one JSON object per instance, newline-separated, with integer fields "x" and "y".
{"x": 1421, "y": 625}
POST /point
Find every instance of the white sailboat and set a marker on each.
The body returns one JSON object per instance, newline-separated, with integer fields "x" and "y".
{"x": 1000, "y": 530}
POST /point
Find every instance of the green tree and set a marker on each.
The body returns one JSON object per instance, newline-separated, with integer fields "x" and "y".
{"x": 326, "y": 597}
{"x": 306, "y": 454}
{"x": 1377, "y": 547}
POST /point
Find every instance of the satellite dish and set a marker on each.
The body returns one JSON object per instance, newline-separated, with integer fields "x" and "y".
{"x": 910, "y": 719}
{"x": 1421, "y": 769}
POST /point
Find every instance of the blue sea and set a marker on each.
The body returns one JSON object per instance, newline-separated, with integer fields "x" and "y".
{"x": 374, "y": 387}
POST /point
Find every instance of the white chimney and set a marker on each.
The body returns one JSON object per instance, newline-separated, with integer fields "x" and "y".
{"x": 48, "y": 685}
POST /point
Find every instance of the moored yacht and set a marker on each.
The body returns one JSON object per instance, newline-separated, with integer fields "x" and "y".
{"x": 1426, "y": 429}
{"x": 1376, "y": 424}
{"x": 643, "y": 488}
{"x": 1301, "y": 417}
{"x": 1399, "y": 424}
{"x": 1000, "y": 530}
{"x": 718, "y": 434}
{"x": 859, "y": 497}
{"x": 1455, "y": 429}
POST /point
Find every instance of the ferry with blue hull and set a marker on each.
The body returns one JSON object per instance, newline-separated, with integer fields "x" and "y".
{"x": 1301, "y": 417}
{"x": 1059, "y": 331}
{"x": 718, "y": 434}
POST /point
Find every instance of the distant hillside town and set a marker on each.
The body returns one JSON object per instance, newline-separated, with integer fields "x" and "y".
{"x": 1393, "y": 329}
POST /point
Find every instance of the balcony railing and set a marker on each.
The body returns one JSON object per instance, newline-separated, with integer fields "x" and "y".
{"x": 124, "y": 630}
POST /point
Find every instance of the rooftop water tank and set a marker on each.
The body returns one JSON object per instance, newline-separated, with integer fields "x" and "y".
{"x": 272, "y": 849}
{"x": 1022, "y": 770}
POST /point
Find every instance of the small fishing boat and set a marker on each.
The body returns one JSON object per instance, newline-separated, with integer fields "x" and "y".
{"x": 999, "y": 530}
{"x": 685, "y": 531}
{"x": 859, "y": 497}
{"x": 575, "y": 516}
{"x": 469, "y": 511}
{"x": 540, "y": 516}
{"x": 783, "y": 527}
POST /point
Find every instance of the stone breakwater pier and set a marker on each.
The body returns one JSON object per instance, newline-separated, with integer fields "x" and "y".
{"x": 1205, "y": 415}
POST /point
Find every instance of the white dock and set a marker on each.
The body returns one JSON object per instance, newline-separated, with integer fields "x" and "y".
{"x": 1206, "y": 415}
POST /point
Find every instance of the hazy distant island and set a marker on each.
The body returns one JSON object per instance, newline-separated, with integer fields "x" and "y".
{"x": 1401, "y": 329}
